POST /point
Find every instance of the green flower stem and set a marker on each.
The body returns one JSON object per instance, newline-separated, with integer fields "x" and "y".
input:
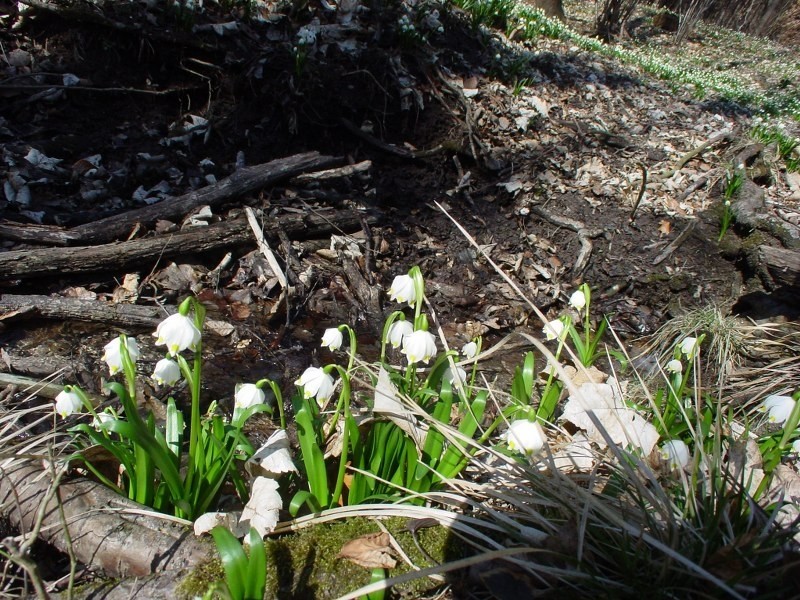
{"x": 276, "y": 390}
{"x": 344, "y": 401}
{"x": 790, "y": 427}
{"x": 353, "y": 346}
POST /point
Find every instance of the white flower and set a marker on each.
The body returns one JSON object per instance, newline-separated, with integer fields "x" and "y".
{"x": 460, "y": 373}
{"x": 554, "y": 329}
{"x": 166, "y": 372}
{"x": 178, "y": 332}
{"x": 403, "y": 290}
{"x": 675, "y": 453}
{"x": 779, "y": 407}
{"x": 524, "y": 436}
{"x": 316, "y": 383}
{"x": 101, "y": 418}
{"x": 469, "y": 350}
{"x": 674, "y": 366}
{"x": 796, "y": 446}
{"x": 247, "y": 395}
{"x": 68, "y": 402}
{"x": 398, "y": 331}
{"x": 332, "y": 338}
{"x": 577, "y": 300}
{"x": 113, "y": 357}
{"x": 689, "y": 347}
{"x": 419, "y": 346}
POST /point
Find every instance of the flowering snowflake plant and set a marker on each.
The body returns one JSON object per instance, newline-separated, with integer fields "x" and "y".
{"x": 150, "y": 455}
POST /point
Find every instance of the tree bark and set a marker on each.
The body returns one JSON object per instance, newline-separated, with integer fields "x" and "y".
{"x": 145, "y": 252}
{"x": 107, "y": 532}
{"x": 780, "y": 268}
{"x": 76, "y": 309}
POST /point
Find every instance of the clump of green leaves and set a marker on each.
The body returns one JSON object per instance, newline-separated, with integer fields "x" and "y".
{"x": 161, "y": 468}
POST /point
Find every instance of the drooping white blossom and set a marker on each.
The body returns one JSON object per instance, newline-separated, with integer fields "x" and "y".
{"x": 419, "y": 346}
{"x": 247, "y": 395}
{"x": 525, "y": 436}
{"x": 397, "y": 331}
{"x": 578, "y": 300}
{"x": 166, "y": 372}
{"x": 403, "y": 290}
{"x": 689, "y": 347}
{"x": 332, "y": 339}
{"x": 675, "y": 453}
{"x": 178, "y": 332}
{"x": 469, "y": 350}
{"x": 553, "y": 329}
{"x": 112, "y": 354}
{"x": 674, "y": 366}
{"x": 316, "y": 383}
{"x": 68, "y": 402}
{"x": 778, "y": 407}
{"x": 459, "y": 374}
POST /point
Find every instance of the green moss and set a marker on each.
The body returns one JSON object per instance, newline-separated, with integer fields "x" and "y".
{"x": 201, "y": 578}
{"x": 306, "y": 564}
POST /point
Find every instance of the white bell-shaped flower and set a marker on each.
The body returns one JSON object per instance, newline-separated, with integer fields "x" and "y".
{"x": 469, "y": 350}
{"x": 578, "y": 300}
{"x": 674, "y": 366}
{"x": 459, "y": 374}
{"x": 675, "y": 453}
{"x": 778, "y": 407}
{"x": 525, "y": 436}
{"x": 419, "y": 346}
{"x": 403, "y": 290}
{"x": 68, "y": 402}
{"x": 332, "y": 338}
{"x": 689, "y": 346}
{"x": 553, "y": 329}
{"x": 247, "y": 395}
{"x": 178, "y": 332}
{"x": 316, "y": 383}
{"x": 112, "y": 355}
{"x": 166, "y": 372}
{"x": 397, "y": 331}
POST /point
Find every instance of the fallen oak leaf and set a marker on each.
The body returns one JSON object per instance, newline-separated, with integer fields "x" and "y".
{"x": 371, "y": 551}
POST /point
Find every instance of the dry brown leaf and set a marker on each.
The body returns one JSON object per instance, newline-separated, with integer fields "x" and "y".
{"x": 371, "y": 551}
{"x": 128, "y": 292}
{"x": 664, "y": 227}
{"x": 588, "y": 375}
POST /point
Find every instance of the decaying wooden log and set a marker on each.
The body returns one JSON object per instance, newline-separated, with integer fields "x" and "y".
{"x": 235, "y": 185}
{"x": 76, "y": 309}
{"x": 144, "y": 253}
{"x": 108, "y": 533}
{"x": 779, "y": 268}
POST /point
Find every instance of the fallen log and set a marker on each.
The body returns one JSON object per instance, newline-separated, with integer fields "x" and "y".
{"x": 77, "y": 309}
{"x": 145, "y": 252}
{"x": 779, "y": 268}
{"x": 235, "y": 185}
{"x": 108, "y": 533}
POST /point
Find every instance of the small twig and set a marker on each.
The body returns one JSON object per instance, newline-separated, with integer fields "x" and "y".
{"x": 263, "y": 246}
{"x": 641, "y": 193}
{"x": 667, "y": 173}
{"x": 676, "y": 243}
{"x": 584, "y": 235}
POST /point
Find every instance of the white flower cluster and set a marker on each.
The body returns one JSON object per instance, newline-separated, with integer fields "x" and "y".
{"x": 306, "y": 36}
{"x": 405, "y": 24}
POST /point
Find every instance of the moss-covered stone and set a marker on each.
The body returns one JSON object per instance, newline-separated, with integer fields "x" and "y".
{"x": 305, "y": 564}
